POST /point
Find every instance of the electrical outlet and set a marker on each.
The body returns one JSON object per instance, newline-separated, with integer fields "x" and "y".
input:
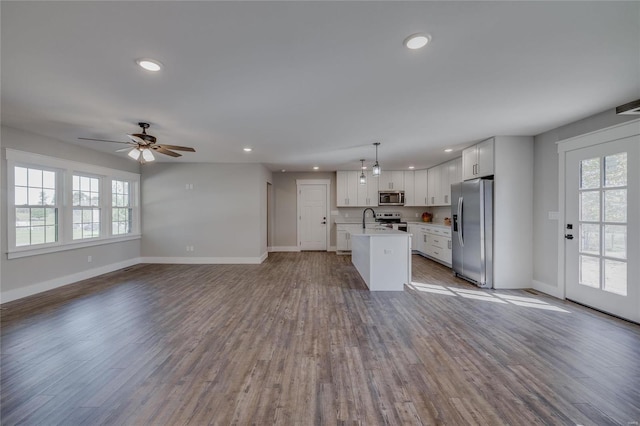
{"x": 89, "y": 259}
{"x": 417, "y": 214}
{"x": 346, "y": 215}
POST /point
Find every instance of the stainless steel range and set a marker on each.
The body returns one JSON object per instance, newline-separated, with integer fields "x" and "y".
{"x": 391, "y": 220}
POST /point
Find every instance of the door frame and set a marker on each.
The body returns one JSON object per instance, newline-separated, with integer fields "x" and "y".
{"x": 608, "y": 134}
{"x": 299, "y": 184}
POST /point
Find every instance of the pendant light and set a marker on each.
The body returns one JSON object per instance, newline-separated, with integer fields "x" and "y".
{"x": 363, "y": 178}
{"x": 376, "y": 167}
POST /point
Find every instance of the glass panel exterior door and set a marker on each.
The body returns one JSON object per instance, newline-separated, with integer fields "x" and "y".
{"x": 602, "y": 191}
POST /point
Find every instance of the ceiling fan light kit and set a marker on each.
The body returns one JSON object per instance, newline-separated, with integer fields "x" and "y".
{"x": 147, "y": 155}
{"x": 144, "y": 145}
{"x": 134, "y": 153}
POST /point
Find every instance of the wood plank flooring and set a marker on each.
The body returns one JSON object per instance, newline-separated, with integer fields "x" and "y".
{"x": 299, "y": 340}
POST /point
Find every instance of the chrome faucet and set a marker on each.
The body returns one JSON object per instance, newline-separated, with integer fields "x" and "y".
{"x": 364, "y": 212}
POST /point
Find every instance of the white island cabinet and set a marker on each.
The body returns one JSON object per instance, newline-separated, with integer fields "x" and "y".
{"x": 383, "y": 258}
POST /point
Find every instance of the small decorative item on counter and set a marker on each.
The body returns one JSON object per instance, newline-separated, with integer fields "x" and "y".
{"x": 426, "y": 217}
{"x": 447, "y": 221}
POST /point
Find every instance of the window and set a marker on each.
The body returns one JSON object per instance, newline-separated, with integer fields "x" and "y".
{"x": 86, "y": 207}
{"x": 55, "y": 204}
{"x": 36, "y": 213}
{"x": 121, "y": 208}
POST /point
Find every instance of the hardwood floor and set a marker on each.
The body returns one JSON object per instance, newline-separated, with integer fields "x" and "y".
{"x": 299, "y": 340}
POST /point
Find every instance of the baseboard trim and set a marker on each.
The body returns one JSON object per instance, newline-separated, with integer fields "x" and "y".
{"x": 205, "y": 260}
{"x": 283, "y": 248}
{"x": 547, "y": 289}
{"x": 333, "y": 248}
{"x": 30, "y": 290}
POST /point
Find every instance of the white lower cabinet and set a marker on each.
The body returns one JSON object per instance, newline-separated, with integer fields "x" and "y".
{"x": 432, "y": 241}
{"x": 343, "y": 234}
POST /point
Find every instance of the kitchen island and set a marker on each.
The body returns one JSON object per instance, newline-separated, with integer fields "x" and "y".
{"x": 383, "y": 258}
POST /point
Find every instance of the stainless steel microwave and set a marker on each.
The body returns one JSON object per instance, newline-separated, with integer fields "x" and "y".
{"x": 391, "y": 198}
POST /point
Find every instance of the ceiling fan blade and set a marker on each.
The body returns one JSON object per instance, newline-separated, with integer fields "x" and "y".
{"x": 165, "y": 151}
{"x": 177, "y": 148}
{"x": 103, "y": 140}
{"x": 137, "y": 140}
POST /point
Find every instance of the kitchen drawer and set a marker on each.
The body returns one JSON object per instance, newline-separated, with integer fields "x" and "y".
{"x": 439, "y": 242}
{"x": 439, "y": 231}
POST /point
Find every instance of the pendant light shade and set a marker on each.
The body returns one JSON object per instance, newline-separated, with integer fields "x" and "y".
{"x": 376, "y": 167}
{"x": 134, "y": 153}
{"x": 363, "y": 178}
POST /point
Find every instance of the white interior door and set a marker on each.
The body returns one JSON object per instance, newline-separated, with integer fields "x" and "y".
{"x": 602, "y": 228}
{"x": 312, "y": 217}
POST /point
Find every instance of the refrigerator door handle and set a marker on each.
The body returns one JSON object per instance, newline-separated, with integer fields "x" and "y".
{"x": 460, "y": 222}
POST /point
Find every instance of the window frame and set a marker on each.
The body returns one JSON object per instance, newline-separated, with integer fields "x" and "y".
{"x": 65, "y": 170}
{"x": 128, "y": 207}
{"x": 11, "y": 199}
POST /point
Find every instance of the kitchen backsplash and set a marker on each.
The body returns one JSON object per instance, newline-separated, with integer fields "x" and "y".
{"x": 408, "y": 213}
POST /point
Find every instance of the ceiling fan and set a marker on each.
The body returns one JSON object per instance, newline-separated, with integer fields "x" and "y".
{"x": 142, "y": 145}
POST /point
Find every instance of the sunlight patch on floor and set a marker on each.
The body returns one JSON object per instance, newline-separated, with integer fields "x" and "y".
{"x": 431, "y": 288}
{"x": 505, "y": 299}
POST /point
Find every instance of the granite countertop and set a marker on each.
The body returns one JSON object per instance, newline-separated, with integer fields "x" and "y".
{"x": 378, "y": 233}
{"x": 438, "y": 224}
{"x": 349, "y": 221}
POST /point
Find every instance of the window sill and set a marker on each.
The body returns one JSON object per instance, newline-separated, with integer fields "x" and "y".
{"x": 25, "y": 252}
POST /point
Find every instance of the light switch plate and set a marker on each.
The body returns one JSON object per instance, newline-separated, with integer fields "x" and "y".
{"x": 554, "y": 215}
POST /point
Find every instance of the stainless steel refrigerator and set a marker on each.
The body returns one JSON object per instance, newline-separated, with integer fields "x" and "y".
{"x": 472, "y": 231}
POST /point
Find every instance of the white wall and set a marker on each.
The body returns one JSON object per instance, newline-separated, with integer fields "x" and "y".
{"x": 285, "y": 206}
{"x": 545, "y": 194}
{"x": 512, "y": 216}
{"x": 29, "y": 275}
{"x": 223, "y": 217}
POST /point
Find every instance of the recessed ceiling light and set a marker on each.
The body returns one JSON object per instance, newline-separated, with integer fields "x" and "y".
{"x": 315, "y": 167}
{"x": 448, "y": 150}
{"x": 283, "y": 170}
{"x": 149, "y": 64}
{"x": 411, "y": 167}
{"x": 416, "y": 41}
{"x": 247, "y": 149}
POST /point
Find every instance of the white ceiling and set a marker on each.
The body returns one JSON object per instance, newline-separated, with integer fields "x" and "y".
{"x": 314, "y": 83}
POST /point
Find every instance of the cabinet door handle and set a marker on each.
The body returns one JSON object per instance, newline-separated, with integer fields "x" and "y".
{"x": 449, "y": 244}
{"x": 424, "y": 237}
{"x": 446, "y": 199}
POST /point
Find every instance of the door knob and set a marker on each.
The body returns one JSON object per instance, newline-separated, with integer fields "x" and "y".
{"x": 568, "y": 236}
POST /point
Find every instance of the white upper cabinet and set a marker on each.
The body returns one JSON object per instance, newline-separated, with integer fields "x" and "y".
{"x": 420, "y": 188}
{"x": 439, "y": 181}
{"x": 409, "y": 189}
{"x": 368, "y": 193}
{"x": 391, "y": 181}
{"x": 477, "y": 160}
{"x": 453, "y": 170}
{"x": 433, "y": 186}
{"x": 347, "y": 188}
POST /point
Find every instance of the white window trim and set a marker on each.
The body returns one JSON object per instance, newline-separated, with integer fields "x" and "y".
{"x": 65, "y": 170}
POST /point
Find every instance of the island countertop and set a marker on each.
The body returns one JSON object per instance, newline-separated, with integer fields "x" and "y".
{"x": 377, "y": 233}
